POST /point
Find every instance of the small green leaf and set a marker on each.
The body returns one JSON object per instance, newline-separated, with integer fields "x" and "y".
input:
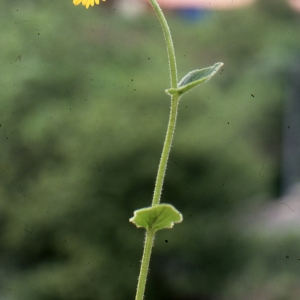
{"x": 156, "y": 217}
{"x": 193, "y": 78}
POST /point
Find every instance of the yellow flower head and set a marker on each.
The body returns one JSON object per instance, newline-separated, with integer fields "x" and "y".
{"x": 87, "y": 3}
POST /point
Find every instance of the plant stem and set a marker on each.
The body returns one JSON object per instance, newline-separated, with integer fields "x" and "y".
{"x": 169, "y": 43}
{"x": 149, "y": 239}
{"x": 145, "y": 265}
{"x": 166, "y": 150}
{"x": 174, "y": 105}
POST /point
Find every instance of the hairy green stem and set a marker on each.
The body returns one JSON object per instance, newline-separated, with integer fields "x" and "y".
{"x": 166, "y": 150}
{"x": 169, "y": 43}
{"x": 174, "y": 105}
{"x": 149, "y": 240}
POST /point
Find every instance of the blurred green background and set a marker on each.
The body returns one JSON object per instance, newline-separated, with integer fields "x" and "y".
{"x": 83, "y": 115}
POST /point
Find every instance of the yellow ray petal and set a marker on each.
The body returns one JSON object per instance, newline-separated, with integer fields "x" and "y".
{"x": 86, "y": 3}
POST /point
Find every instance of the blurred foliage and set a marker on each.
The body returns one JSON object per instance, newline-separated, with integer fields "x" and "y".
{"x": 83, "y": 114}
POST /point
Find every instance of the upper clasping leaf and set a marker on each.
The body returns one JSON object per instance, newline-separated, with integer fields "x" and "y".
{"x": 193, "y": 78}
{"x": 156, "y": 217}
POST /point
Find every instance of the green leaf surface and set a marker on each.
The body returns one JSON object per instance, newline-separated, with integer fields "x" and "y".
{"x": 156, "y": 217}
{"x": 194, "y": 78}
